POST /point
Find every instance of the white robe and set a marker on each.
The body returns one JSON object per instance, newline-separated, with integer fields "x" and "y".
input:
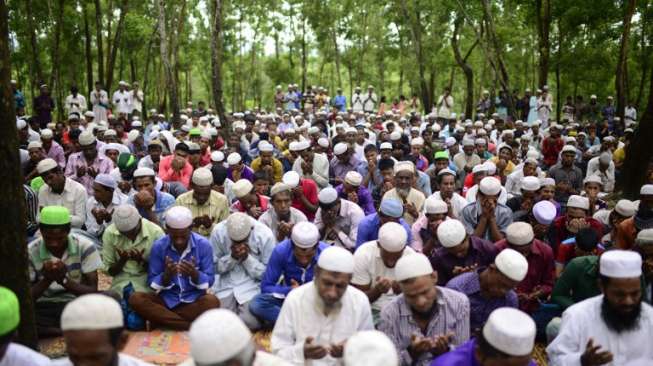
{"x": 302, "y": 316}
{"x": 583, "y": 321}
{"x": 100, "y": 111}
{"x": 17, "y": 354}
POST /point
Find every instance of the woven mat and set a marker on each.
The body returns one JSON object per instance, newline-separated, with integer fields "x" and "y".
{"x": 162, "y": 347}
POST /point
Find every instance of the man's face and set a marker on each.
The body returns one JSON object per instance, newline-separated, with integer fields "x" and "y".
{"x": 498, "y": 285}
{"x": 112, "y": 154}
{"x": 304, "y": 256}
{"x": 621, "y": 307}
{"x": 441, "y": 164}
{"x": 469, "y": 150}
{"x": 281, "y": 203}
{"x": 307, "y": 155}
{"x": 36, "y": 154}
{"x": 370, "y": 155}
{"x": 447, "y": 185}
{"x": 403, "y": 180}
{"x": 592, "y": 189}
{"x": 460, "y": 250}
{"x": 181, "y": 154}
{"x": 56, "y": 240}
{"x": 575, "y": 218}
{"x": 201, "y": 193}
{"x": 529, "y": 170}
{"x": 547, "y": 192}
{"x": 266, "y": 157}
{"x": 480, "y": 149}
{"x": 568, "y": 158}
{"x": 102, "y": 193}
{"x": 155, "y": 152}
{"x": 144, "y": 184}
{"x": 344, "y": 157}
{"x": 261, "y": 186}
{"x": 505, "y": 154}
{"x": 386, "y": 154}
{"x": 331, "y": 286}
{"x": 179, "y": 238}
{"x": 55, "y": 179}
{"x": 89, "y": 151}
{"x": 390, "y": 258}
{"x": 350, "y": 137}
{"x": 90, "y": 347}
{"x": 420, "y": 293}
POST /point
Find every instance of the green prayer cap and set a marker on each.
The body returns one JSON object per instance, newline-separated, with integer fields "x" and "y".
{"x": 9, "y": 311}
{"x": 37, "y": 183}
{"x": 441, "y": 155}
{"x": 55, "y": 215}
{"x": 194, "y": 132}
{"x": 126, "y": 160}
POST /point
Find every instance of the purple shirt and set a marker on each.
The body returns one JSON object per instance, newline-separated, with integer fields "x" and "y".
{"x": 102, "y": 164}
{"x": 479, "y": 307}
{"x": 247, "y": 173}
{"x": 481, "y": 252}
{"x": 338, "y": 169}
{"x": 463, "y": 355}
{"x": 365, "y": 200}
{"x": 57, "y": 154}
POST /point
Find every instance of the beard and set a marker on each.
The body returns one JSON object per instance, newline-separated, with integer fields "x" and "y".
{"x": 403, "y": 192}
{"x": 619, "y": 321}
{"x": 425, "y": 314}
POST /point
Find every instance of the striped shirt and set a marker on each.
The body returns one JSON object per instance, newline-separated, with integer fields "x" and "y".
{"x": 451, "y": 316}
{"x": 32, "y": 208}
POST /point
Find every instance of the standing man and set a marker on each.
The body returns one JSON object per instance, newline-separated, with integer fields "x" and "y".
{"x": 100, "y": 102}
{"x": 340, "y": 101}
{"x": 369, "y": 100}
{"x": 19, "y": 99}
{"x": 43, "y": 106}
{"x": 445, "y": 104}
{"x": 136, "y": 97}
{"x": 357, "y": 100}
{"x": 122, "y": 99}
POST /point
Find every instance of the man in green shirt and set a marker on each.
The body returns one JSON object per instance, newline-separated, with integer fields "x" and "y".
{"x": 127, "y": 243}
{"x": 577, "y": 282}
{"x": 62, "y": 266}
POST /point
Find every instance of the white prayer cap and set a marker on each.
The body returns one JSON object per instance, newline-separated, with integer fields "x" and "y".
{"x": 216, "y": 336}
{"x": 233, "y": 158}
{"x": 510, "y": 331}
{"x": 512, "y": 264}
{"x": 480, "y": 142}
{"x": 239, "y": 225}
{"x": 621, "y": 264}
{"x": 447, "y": 171}
{"x": 578, "y": 202}
{"x": 646, "y": 190}
{"x": 144, "y": 172}
{"x": 644, "y": 237}
{"x": 327, "y": 195}
{"x": 491, "y": 167}
{"x": 404, "y": 166}
{"x": 92, "y": 312}
{"x": 34, "y": 145}
{"x": 433, "y": 205}
{"x": 392, "y": 237}
{"x": 436, "y": 128}
{"x": 385, "y": 146}
{"x": 137, "y": 123}
{"x": 593, "y": 96}
{"x": 354, "y": 178}
{"x": 625, "y": 208}
{"x": 125, "y": 217}
{"x": 202, "y": 177}
{"x": 479, "y": 168}
{"x": 212, "y": 132}
{"x": 519, "y": 233}
{"x": 265, "y": 146}
{"x": 47, "y": 134}
{"x": 468, "y": 142}
{"x": 530, "y": 184}
{"x": 490, "y": 186}
{"x": 411, "y": 266}
{"x": 451, "y": 233}
{"x": 133, "y": 135}
{"x": 305, "y": 234}
{"x": 323, "y": 141}
{"x": 340, "y": 148}
{"x": 122, "y": 82}
{"x": 544, "y": 212}
{"x": 106, "y": 180}
{"x": 350, "y": 130}
{"x": 302, "y": 145}
{"x": 593, "y": 179}
{"x": 370, "y": 348}
{"x": 336, "y": 259}
{"x": 531, "y": 161}
{"x": 395, "y": 135}
{"x": 45, "y": 165}
{"x": 291, "y": 178}
{"x": 525, "y": 138}
{"x": 242, "y": 188}
{"x": 290, "y": 131}
{"x": 569, "y": 149}
{"x": 217, "y": 156}
{"x": 418, "y": 141}
{"x": 278, "y": 188}
{"x": 178, "y": 217}
{"x": 86, "y": 138}
{"x": 548, "y": 181}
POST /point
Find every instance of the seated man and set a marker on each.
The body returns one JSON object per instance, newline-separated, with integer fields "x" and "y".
{"x": 425, "y": 319}
{"x": 575, "y": 218}
{"x": 374, "y": 265}
{"x": 267, "y": 163}
{"x": 247, "y": 200}
{"x": 292, "y": 260}
{"x": 242, "y": 248}
{"x": 508, "y": 338}
{"x": 623, "y": 210}
{"x": 180, "y": 271}
{"x": 459, "y": 252}
{"x": 541, "y": 218}
{"x": 62, "y": 266}
{"x": 127, "y": 243}
{"x": 61, "y": 191}
{"x": 282, "y": 217}
{"x": 487, "y": 218}
{"x": 390, "y": 210}
{"x": 353, "y": 190}
{"x": 412, "y": 199}
{"x": 100, "y": 207}
{"x": 627, "y": 230}
{"x": 93, "y": 328}
{"x": 14, "y": 353}
{"x": 304, "y": 193}
{"x": 175, "y": 167}
{"x": 446, "y": 180}
{"x": 208, "y": 206}
{"x": 338, "y": 219}
{"x": 83, "y": 166}
{"x": 522, "y": 205}
{"x": 425, "y": 228}
{"x": 150, "y": 202}
{"x": 539, "y": 280}
{"x": 237, "y": 169}
{"x": 317, "y": 318}
{"x": 492, "y": 287}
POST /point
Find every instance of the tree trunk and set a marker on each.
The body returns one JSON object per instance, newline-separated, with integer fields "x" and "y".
{"x": 496, "y": 54}
{"x": 416, "y": 34}
{"x": 148, "y": 60}
{"x": 462, "y": 62}
{"x": 168, "y": 68}
{"x": 13, "y": 250}
{"x": 98, "y": 40}
{"x": 622, "y": 71}
{"x": 558, "y": 83}
{"x": 109, "y": 12}
{"x": 87, "y": 50}
{"x": 304, "y": 51}
{"x": 115, "y": 44}
{"x": 36, "y": 63}
{"x": 639, "y": 152}
{"x": 55, "y": 86}
{"x": 543, "y": 26}
{"x": 216, "y": 61}
{"x": 337, "y": 57}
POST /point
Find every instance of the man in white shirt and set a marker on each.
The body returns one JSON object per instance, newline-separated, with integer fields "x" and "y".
{"x": 93, "y": 330}
{"x": 447, "y": 182}
{"x": 612, "y": 328}
{"x": 100, "y": 102}
{"x": 61, "y": 191}
{"x": 317, "y": 318}
{"x": 369, "y": 100}
{"x": 100, "y": 207}
{"x": 136, "y": 96}
{"x": 357, "y": 100}
{"x": 282, "y": 216}
{"x": 603, "y": 167}
{"x": 122, "y": 99}
{"x": 337, "y": 219}
{"x": 445, "y": 104}
{"x": 309, "y": 164}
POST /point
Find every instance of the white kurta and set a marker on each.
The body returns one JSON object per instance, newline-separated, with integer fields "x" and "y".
{"x": 458, "y": 202}
{"x": 100, "y": 102}
{"x": 583, "y": 321}
{"x": 122, "y": 101}
{"x": 18, "y": 354}
{"x": 75, "y": 104}
{"x": 302, "y": 316}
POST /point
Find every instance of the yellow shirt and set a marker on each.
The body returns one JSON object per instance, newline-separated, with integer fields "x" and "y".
{"x": 619, "y": 155}
{"x": 216, "y": 207}
{"x": 277, "y": 168}
{"x": 510, "y": 167}
{"x": 414, "y": 196}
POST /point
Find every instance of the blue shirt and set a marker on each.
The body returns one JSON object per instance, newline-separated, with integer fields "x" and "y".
{"x": 463, "y": 355}
{"x": 181, "y": 289}
{"x": 162, "y": 201}
{"x": 368, "y": 229}
{"x": 340, "y": 102}
{"x": 283, "y": 263}
{"x": 363, "y": 169}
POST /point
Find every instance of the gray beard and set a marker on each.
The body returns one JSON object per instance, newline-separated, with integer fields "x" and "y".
{"x": 403, "y": 192}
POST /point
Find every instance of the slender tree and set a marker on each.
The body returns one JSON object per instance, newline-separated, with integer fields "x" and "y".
{"x": 622, "y": 66}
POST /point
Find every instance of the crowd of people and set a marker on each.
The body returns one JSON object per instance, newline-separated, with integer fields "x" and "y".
{"x": 360, "y": 234}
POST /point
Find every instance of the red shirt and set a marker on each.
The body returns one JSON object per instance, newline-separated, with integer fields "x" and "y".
{"x": 310, "y": 192}
{"x": 541, "y": 272}
{"x": 551, "y": 149}
{"x": 167, "y": 174}
{"x": 558, "y": 231}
